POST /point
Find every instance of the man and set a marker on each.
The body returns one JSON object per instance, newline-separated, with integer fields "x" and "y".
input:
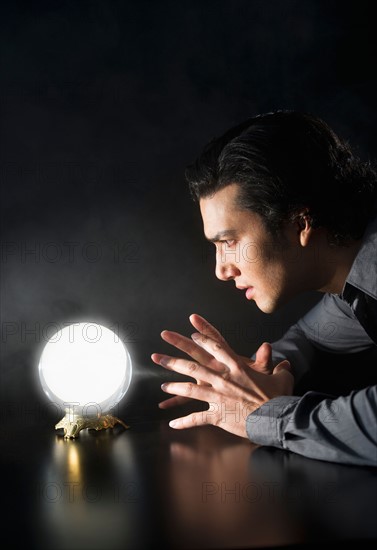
{"x": 290, "y": 208}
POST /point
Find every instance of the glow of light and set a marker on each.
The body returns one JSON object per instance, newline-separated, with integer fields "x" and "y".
{"x": 85, "y": 363}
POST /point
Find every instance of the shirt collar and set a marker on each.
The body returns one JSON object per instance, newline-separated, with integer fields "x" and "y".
{"x": 363, "y": 273}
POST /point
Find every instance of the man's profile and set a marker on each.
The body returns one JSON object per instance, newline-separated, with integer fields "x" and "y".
{"x": 290, "y": 208}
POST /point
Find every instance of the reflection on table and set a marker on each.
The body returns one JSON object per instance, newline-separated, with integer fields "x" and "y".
{"x": 201, "y": 488}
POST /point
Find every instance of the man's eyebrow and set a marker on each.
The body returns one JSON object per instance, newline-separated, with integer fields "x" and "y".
{"x": 221, "y": 234}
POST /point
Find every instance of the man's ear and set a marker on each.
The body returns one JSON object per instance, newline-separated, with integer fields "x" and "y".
{"x": 304, "y": 227}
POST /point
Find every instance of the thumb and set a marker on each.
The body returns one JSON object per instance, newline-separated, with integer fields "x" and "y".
{"x": 263, "y": 359}
{"x": 284, "y": 371}
{"x": 283, "y": 366}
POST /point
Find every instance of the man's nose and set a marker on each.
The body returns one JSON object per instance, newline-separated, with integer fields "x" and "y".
{"x": 226, "y": 271}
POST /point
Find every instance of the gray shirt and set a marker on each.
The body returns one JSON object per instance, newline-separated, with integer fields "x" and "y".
{"x": 316, "y": 425}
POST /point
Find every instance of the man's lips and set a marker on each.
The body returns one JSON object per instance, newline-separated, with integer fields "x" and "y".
{"x": 249, "y": 291}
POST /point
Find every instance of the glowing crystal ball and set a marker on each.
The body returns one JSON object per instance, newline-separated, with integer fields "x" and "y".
{"x": 85, "y": 365}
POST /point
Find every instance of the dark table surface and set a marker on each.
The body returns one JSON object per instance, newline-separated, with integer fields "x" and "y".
{"x": 150, "y": 484}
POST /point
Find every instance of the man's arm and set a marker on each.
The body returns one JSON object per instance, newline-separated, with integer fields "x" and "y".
{"x": 248, "y": 402}
{"x": 317, "y": 425}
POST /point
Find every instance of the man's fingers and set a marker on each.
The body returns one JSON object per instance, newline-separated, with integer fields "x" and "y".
{"x": 218, "y": 416}
{"x": 177, "y": 399}
{"x": 189, "y": 421}
{"x": 190, "y": 390}
{"x": 205, "y": 328}
{"x": 187, "y": 368}
{"x": 212, "y": 340}
{"x": 284, "y": 370}
{"x": 263, "y": 359}
{"x": 173, "y": 402}
{"x": 197, "y": 352}
{"x": 187, "y": 346}
{"x": 264, "y": 353}
{"x": 220, "y": 351}
{"x": 283, "y": 366}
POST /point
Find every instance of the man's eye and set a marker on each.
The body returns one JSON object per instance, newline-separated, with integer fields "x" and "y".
{"x": 230, "y": 242}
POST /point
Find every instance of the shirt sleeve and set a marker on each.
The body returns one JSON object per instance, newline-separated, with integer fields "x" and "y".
{"x": 330, "y": 326}
{"x": 320, "y": 426}
{"x": 317, "y": 425}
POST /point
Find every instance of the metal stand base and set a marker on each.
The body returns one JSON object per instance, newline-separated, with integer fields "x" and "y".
{"x": 72, "y": 425}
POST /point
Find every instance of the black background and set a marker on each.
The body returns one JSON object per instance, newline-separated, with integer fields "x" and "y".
{"x": 103, "y": 104}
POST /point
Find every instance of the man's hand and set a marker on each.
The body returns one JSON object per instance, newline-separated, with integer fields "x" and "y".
{"x": 263, "y": 359}
{"x": 206, "y": 331}
{"x": 223, "y": 379}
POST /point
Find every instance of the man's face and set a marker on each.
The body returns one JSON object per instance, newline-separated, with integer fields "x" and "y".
{"x": 268, "y": 271}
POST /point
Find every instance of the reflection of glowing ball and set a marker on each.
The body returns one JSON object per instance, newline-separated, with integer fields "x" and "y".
{"x": 83, "y": 364}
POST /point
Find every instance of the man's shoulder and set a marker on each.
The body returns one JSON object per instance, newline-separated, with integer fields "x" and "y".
{"x": 363, "y": 273}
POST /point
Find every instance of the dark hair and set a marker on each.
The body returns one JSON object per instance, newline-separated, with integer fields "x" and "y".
{"x": 284, "y": 162}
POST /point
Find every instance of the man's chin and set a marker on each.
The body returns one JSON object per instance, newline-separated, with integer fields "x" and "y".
{"x": 267, "y": 306}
